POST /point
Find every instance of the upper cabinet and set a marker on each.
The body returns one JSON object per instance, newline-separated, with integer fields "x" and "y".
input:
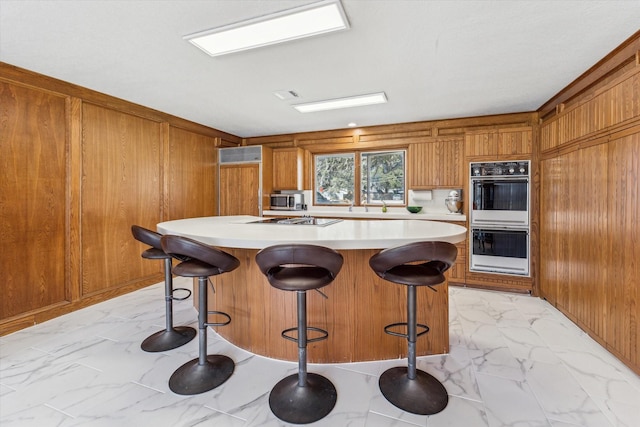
{"x": 436, "y": 164}
{"x": 287, "y": 168}
{"x": 499, "y": 143}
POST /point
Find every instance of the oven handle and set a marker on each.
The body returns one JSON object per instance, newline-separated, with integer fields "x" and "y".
{"x": 502, "y": 268}
{"x": 499, "y": 178}
{"x": 496, "y": 222}
{"x": 499, "y": 230}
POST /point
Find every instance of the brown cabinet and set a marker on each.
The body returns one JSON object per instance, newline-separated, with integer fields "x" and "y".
{"x": 437, "y": 164}
{"x": 240, "y": 189}
{"x": 456, "y": 273}
{"x": 245, "y": 179}
{"x": 287, "y": 168}
{"x": 499, "y": 144}
{"x": 589, "y": 249}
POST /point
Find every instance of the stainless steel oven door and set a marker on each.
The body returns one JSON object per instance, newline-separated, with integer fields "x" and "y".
{"x": 504, "y": 251}
{"x": 500, "y": 202}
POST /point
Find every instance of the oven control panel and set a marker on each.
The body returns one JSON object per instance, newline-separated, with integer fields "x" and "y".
{"x": 515, "y": 168}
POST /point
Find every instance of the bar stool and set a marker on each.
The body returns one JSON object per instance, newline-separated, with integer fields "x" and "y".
{"x": 304, "y": 397}
{"x": 171, "y": 337}
{"x": 414, "y": 264}
{"x": 205, "y": 372}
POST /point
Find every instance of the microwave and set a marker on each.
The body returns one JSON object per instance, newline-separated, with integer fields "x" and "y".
{"x": 287, "y": 202}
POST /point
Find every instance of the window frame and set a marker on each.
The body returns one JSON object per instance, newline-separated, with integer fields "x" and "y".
{"x": 357, "y": 191}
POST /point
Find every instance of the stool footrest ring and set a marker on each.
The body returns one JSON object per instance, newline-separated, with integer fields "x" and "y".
{"x": 218, "y": 313}
{"x": 188, "y": 291}
{"x": 323, "y": 334}
{"x": 387, "y": 329}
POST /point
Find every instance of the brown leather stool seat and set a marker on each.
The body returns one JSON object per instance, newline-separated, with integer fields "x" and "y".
{"x": 414, "y": 264}
{"x": 171, "y": 337}
{"x": 304, "y": 397}
{"x": 206, "y": 372}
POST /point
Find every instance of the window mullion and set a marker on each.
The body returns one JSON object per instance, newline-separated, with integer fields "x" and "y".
{"x": 357, "y": 184}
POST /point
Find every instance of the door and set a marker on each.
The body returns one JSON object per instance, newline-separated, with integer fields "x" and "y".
{"x": 240, "y": 189}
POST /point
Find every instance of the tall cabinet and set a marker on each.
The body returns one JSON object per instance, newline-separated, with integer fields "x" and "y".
{"x": 245, "y": 180}
{"x": 590, "y": 213}
{"x": 501, "y": 144}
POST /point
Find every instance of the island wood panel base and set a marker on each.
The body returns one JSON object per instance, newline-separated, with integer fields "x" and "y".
{"x": 358, "y": 307}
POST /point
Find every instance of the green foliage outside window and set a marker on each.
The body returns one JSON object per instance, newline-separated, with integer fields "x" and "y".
{"x": 334, "y": 178}
{"x": 382, "y": 177}
{"x": 381, "y": 181}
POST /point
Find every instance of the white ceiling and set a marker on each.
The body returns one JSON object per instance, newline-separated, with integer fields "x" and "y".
{"x": 434, "y": 59}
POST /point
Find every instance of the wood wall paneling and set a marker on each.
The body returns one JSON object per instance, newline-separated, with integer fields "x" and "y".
{"x": 623, "y": 284}
{"x": 121, "y": 186}
{"x": 590, "y": 213}
{"x": 191, "y": 175}
{"x": 590, "y": 279}
{"x": 548, "y": 136}
{"x": 32, "y": 199}
{"x": 78, "y": 169}
{"x": 551, "y": 195}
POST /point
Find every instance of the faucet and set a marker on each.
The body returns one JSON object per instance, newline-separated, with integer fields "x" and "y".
{"x": 366, "y": 208}
{"x": 351, "y": 207}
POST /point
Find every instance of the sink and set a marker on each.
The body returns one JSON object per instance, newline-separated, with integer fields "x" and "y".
{"x": 304, "y": 220}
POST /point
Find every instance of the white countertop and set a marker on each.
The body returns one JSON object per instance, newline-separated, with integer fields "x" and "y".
{"x": 234, "y": 232}
{"x": 374, "y": 213}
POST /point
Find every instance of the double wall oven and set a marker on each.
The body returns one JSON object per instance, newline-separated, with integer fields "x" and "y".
{"x": 499, "y": 195}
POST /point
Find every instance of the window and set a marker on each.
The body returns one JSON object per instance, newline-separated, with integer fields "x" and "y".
{"x": 334, "y": 178}
{"x": 380, "y": 176}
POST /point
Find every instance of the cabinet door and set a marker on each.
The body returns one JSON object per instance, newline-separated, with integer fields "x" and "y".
{"x": 477, "y": 144}
{"x": 514, "y": 142}
{"x": 239, "y": 189}
{"x": 287, "y": 169}
{"x": 498, "y": 144}
{"x": 436, "y": 164}
{"x": 457, "y": 270}
{"x": 450, "y": 164}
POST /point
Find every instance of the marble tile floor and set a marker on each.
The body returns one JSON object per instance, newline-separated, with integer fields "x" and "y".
{"x": 514, "y": 361}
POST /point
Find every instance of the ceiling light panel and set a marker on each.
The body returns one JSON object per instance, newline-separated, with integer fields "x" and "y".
{"x": 348, "y": 102}
{"x": 306, "y": 21}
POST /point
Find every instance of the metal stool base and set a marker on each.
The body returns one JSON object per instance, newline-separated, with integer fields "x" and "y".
{"x": 168, "y": 339}
{"x": 302, "y": 405}
{"x": 193, "y": 378}
{"x": 424, "y": 395}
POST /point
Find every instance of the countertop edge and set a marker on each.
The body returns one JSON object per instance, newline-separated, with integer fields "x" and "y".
{"x": 370, "y": 215}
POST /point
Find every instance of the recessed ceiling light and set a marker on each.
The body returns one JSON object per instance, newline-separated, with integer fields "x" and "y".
{"x": 305, "y": 21}
{"x": 348, "y": 102}
{"x": 352, "y": 124}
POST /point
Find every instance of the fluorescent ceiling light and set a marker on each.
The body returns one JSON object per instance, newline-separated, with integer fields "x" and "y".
{"x": 310, "y": 20}
{"x": 334, "y": 104}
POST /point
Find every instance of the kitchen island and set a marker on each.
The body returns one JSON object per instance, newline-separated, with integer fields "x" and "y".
{"x": 358, "y": 305}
